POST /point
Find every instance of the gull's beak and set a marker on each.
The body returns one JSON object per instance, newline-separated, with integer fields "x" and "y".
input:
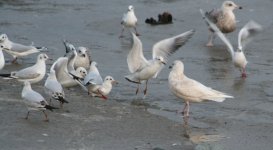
{"x": 164, "y": 63}
{"x": 170, "y": 67}
{"x": 83, "y": 55}
{"x": 114, "y": 82}
{"x": 238, "y": 7}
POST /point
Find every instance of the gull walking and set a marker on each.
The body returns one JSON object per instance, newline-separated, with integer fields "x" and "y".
{"x": 224, "y": 18}
{"x": 129, "y": 20}
{"x": 189, "y": 89}
{"x": 34, "y": 100}
{"x": 54, "y": 89}
{"x": 18, "y": 50}
{"x": 143, "y": 69}
{"x": 33, "y": 74}
{"x": 245, "y": 35}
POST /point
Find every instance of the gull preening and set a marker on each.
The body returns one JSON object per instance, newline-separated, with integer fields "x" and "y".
{"x": 54, "y": 89}
{"x": 129, "y": 20}
{"x": 224, "y": 18}
{"x": 18, "y": 50}
{"x": 65, "y": 71}
{"x": 244, "y": 36}
{"x": 33, "y": 74}
{"x": 83, "y": 56}
{"x": 143, "y": 69}
{"x": 190, "y": 90}
{"x": 34, "y": 100}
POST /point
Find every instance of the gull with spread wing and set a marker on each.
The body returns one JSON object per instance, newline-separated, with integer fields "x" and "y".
{"x": 33, "y": 74}
{"x": 34, "y": 100}
{"x": 189, "y": 89}
{"x": 245, "y": 36}
{"x": 143, "y": 69}
{"x": 18, "y": 50}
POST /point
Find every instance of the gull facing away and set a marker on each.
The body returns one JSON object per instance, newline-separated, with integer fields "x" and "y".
{"x": 245, "y": 35}
{"x": 190, "y": 90}
{"x": 83, "y": 56}
{"x": 33, "y": 74}
{"x": 18, "y": 50}
{"x": 143, "y": 69}
{"x": 224, "y": 18}
{"x": 129, "y": 20}
{"x": 54, "y": 89}
{"x": 93, "y": 76}
{"x": 65, "y": 71}
{"x": 34, "y": 101}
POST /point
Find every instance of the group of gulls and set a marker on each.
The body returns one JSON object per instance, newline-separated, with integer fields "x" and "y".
{"x": 76, "y": 68}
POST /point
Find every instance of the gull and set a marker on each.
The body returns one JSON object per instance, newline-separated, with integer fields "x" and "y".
{"x": 101, "y": 89}
{"x": 82, "y": 58}
{"x": 143, "y": 69}
{"x": 18, "y": 50}
{"x": 93, "y": 76}
{"x": 65, "y": 72}
{"x": 2, "y": 58}
{"x": 224, "y": 18}
{"x": 54, "y": 89}
{"x": 33, "y": 74}
{"x": 34, "y": 100}
{"x": 244, "y": 36}
{"x": 129, "y": 20}
{"x": 190, "y": 90}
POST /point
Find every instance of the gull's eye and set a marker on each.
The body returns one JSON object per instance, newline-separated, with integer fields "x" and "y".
{"x": 229, "y": 4}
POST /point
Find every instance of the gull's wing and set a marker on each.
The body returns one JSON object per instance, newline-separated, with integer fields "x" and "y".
{"x": 32, "y": 96}
{"x": 135, "y": 58}
{"x": 71, "y": 61}
{"x": 27, "y": 73}
{"x": 219, "y": 33}
{"x": 247, "y": 32}
{"x": 68, "y": 47}
{"x": 53, "y": 86}
{"x": 166, "y": 47}
{"x": 213, "y": 15}
{"x": 93, "y": 78}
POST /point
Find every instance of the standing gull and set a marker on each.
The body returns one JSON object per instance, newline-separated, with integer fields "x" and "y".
{"x": 191, "y": 90}
{"x": 224, "y": 19}
{"x": 16, "y": 49}
{"x": 143, "y": 69}
{"x": 129, "y": 20}
{"x": 245, "y": 35}
{"x": 33, "y": 74}
{"x": 34, "y": 100}
{"x": 54, "y": 89}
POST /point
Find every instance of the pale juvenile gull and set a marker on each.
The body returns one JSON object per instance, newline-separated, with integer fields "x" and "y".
{"x": 129, "y": 20}
{"x": 190, "y": 90}
{"x": 224, "y": 18}
{"x": 34, "y": 101}
{"x": 33, "y": 74}
{"x": 54, "y": 89}
{"x": 143, "y": 69}
{"x": 18, "y": 50}
{"x": 245, "y": 36}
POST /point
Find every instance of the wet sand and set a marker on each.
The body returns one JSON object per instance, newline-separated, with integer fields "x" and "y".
{"x": 244, "y": 122}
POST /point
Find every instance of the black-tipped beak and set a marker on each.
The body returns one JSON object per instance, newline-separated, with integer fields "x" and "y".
{"x": 170, "y": 67}
{"x": 164, "y": 63}
{"x": 240, "y": 7}
{"x": 114, "y": 82}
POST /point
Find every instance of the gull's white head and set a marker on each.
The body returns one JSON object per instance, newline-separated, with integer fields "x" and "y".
{"x": 110, "y": 79}
{"x": 81, "y": 71}
{"x": 82, "y": 51}
{"x": 3, "y": 47}
{"x": 230, "y": 5}
{"x": 94, "y": 64}
{"x": 3, "y": 37}
{"x": 130, "y": 8}
{"x": 177, "y": 66}
{"x": 160, "y": 59}
{"x": 42, "y": 57}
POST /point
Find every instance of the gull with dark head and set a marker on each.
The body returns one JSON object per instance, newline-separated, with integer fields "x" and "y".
{"x": 143, "y": 69}
{"x": 129, "y": 20}
{"x": 18, "y": 50}
{"x": 190, "y": 90}
{"x": 33, "y": 74}
{"x": 224, "y": 18}
{"x": 34, "y": 100}
{"x": 245, "y": 36}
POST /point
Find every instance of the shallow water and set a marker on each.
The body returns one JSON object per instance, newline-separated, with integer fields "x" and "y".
{"x": 96, "y": 25}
